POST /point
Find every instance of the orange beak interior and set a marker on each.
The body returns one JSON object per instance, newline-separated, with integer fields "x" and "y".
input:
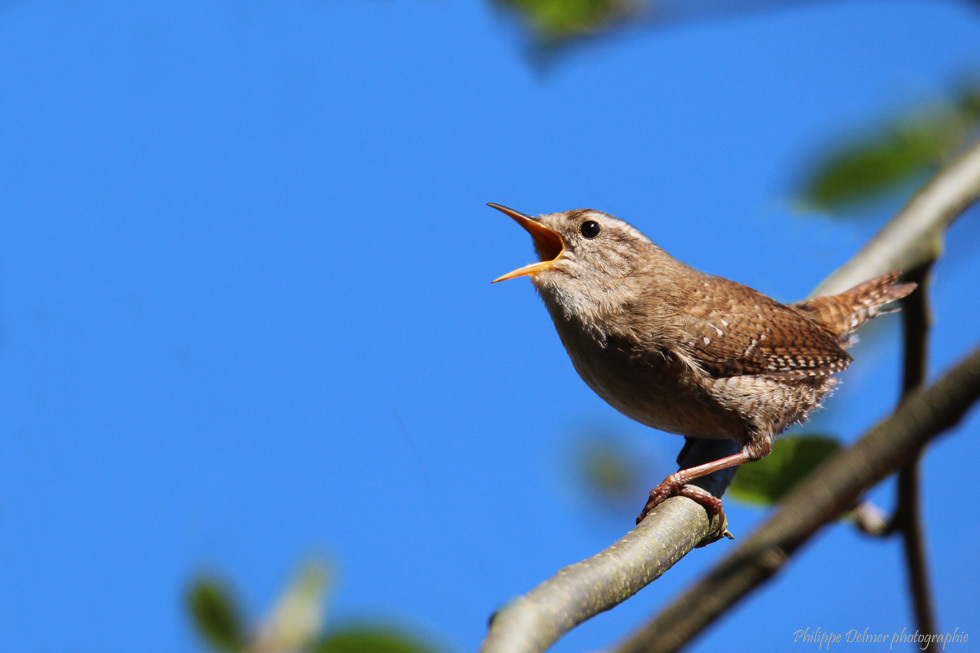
{"x": 547, "y": 243}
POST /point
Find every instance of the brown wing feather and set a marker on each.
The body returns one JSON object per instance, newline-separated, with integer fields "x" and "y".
{"x": 733, "y": 330}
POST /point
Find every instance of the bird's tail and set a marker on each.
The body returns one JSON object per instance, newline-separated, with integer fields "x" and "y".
{"x": 844, "y": 313}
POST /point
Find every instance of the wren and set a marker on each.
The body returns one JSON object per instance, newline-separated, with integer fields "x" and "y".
{"x": 687, "y": 352}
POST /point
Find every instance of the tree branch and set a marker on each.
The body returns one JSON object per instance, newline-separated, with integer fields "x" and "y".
{"x": 817, "y": 501}
{"x": 907, "y": 518}
{"x": 908, "y": 512}
{"x": 533, "y": 622}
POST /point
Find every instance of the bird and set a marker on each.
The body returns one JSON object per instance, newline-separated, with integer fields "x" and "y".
{"x": 684, "y": 351}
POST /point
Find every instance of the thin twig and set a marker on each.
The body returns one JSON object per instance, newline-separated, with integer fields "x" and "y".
{"x": 907, "y": 520}
{"x": 816, "y": 502}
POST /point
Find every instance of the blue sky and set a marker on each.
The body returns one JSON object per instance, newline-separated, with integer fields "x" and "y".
{"x": 246, "y": 318}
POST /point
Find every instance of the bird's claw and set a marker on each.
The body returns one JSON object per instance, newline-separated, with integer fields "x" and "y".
{"x": 711, "y": 503}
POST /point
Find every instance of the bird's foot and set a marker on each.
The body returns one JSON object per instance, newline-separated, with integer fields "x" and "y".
{"x": 716, "y": 512}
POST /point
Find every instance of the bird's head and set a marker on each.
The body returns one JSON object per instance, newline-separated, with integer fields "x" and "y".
{"x": 583, "y": 246}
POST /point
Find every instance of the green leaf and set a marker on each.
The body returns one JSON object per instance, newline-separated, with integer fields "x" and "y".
{"x": 215, "y": 615}
{"x": 864, "y": 169}
{"x": 792, "y": 459}
{"x": 558, "y": 19}
{"x": 371, "y": 638}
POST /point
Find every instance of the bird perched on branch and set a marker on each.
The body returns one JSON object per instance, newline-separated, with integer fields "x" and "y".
{"x": 687, "y": 352}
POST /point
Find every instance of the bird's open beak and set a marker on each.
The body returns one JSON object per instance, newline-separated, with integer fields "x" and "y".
{"x": 547, "y": 242}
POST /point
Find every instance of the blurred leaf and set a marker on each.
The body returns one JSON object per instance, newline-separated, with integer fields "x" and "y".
{"x": 900, "y": 152}
{"x": 558, "y": 19}
{"x": 215, "y": 615}
{"x": 608, "y": 471}
{"x": 766, "y": 481}
{"x": 968, "y": 102}
{"x": 298, "y": 616}
{"x": 368, "y": 638}
{"x": 608, "y": 468}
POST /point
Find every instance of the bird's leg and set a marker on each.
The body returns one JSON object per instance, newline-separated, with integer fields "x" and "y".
{"x": 676, "y": 483}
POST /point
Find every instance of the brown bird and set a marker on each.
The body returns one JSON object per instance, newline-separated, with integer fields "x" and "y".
{"x": 684, "y": 351}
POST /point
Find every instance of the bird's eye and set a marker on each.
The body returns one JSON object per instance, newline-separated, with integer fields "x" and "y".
{"x": 590, "y": 229}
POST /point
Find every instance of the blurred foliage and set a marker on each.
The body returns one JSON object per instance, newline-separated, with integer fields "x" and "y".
{"x": 370, "y": 638}
{"x": 891, "y": 158}
{"x": 562, "y": 19}
{"x": 217, "y": 617}
{"x": 293, "y": 626}
{"x": 609, "y": 469}
{"x": 793, "y": 458}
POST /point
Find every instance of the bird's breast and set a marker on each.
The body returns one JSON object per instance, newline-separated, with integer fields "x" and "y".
{"x": 655, "y": 387}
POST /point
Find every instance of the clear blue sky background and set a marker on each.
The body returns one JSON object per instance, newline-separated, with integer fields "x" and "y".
{"x": 246, "y": 318}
